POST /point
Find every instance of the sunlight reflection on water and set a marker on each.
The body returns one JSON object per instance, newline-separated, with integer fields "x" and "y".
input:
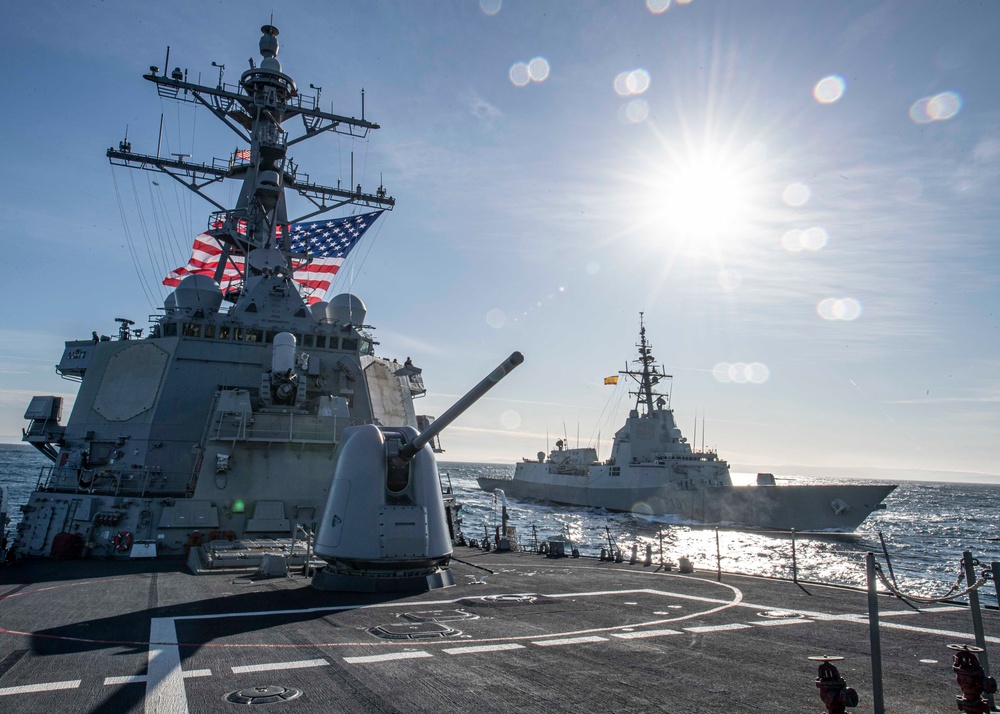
{"x": 926, "y": 526}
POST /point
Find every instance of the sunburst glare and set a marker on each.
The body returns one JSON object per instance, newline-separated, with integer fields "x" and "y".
{"x": 706, "y": 195}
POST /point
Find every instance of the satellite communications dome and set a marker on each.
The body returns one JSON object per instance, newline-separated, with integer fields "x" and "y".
{"x": 198, "y": 291}
{"x": 347, "y": 309}
{"x": 318, "y": 310}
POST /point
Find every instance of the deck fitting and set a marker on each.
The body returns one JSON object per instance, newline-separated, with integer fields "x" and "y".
{"x": 268, "y": 694}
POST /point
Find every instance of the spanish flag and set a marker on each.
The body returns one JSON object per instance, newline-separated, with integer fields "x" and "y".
{"x": 611, "y": 380}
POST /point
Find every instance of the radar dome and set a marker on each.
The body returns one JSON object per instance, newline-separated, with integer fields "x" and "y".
{"x": 170, "y": 303}
{"x": 347, "y": 309}
{"x": 198, "y": 291}
{"x": 319, "y": 310}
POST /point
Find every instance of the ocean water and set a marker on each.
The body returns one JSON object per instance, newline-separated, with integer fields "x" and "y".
{"x": 925, "y": 527}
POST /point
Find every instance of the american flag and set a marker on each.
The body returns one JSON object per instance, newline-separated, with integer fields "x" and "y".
{"x": 243, "y": 154}
{"x": 327, "y": 243}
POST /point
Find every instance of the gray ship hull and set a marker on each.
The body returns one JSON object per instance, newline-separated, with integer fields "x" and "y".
{"x": 803, "y": 508}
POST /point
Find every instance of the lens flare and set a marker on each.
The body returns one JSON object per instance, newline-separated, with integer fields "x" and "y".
{"x": 944, "y": 106}
{"x": 741, "y": 373}
{"x": 520, "y": 75}
{"x": 538, "y": 69}
{"x": 829, "y": 89}
{"x": 496, "y": 319}
{"x": 523, "y": 73}
{"x": 634, "y": 112}
{"x": 792, "y": 241}
{"x": 634, "y": 82}
{"x": 834, "y": 309}
{"x": 796, "y": 194}
{"x": 940, "y": 107}
{"x": 814, "y": 238}
{"x": 730, "y": 279}
{"x": 510, "y": 419}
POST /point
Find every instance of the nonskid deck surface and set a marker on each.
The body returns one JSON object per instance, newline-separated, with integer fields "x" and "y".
{"x": 536, "y": 635}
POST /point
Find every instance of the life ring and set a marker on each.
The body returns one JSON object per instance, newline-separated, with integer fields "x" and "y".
{"x": 122, "y": 541}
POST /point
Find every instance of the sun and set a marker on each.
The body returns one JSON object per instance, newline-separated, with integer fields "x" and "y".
{"x": 707, "y": 199}
{"x": 703, "y": 195}
{"x": 697, "y": 197}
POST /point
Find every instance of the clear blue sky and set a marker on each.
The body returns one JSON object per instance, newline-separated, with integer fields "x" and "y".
{"x": 801, "y": 198}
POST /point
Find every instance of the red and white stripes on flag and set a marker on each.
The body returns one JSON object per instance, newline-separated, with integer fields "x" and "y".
{"x": 327, "y": 243}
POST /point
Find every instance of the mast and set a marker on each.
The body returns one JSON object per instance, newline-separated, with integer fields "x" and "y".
{"x": 646, "y": 375}
{"x": 255, "y": 110}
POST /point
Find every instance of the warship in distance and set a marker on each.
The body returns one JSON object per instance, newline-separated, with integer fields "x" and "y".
{"x": 215, "y": 436}
{"x": 655, "y": 471}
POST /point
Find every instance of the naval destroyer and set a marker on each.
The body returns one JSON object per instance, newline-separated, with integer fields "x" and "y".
{"x": 214, "y": 435}
{"x": 653, "y": 470}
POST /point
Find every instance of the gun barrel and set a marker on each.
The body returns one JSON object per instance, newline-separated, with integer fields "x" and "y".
{"x": 506, "y": 367}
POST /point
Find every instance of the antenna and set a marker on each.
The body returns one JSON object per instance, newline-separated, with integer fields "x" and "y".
{"x": 222, "y": 70}
{"x": 695, "y": 440}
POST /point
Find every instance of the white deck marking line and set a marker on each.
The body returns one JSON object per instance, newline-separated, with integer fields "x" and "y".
{"x": 642, "y": 634}
{"x": 569, "y": 641}
{"x": 930, "y": 631}
{"x": 44, "y": 687}
{"x": 944, "y": 608}
{"x": 137, "y": 678}
{"x": 775, "y": 623}
{"x": 126, "y": 679}
{"x": 301, "y": 664}
{"x": 164, "y": 682}
{"x": 387, "y": 657}
{"x": 483, "y": 648}
{"x": 894, "y": 613}
{"x": 718, "y": 628}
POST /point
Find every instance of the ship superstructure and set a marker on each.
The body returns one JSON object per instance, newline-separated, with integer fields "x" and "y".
{"x": 221, "y": 423}
{"x": 653, "y": 470}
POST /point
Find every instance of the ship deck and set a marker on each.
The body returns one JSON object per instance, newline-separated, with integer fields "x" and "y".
{"x": 534, "y": 635}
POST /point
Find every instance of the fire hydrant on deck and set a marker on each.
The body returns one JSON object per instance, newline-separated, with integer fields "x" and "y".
{"x": 833, "y": 690}
{"x": 972, "y": 680}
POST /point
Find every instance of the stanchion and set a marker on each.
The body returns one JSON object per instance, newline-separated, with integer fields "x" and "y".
{"x": 977, "y": 617}
{"x": 795, "y": 564}
{"x": 718, "y": 558}
{"x": 873, "y": 634}
{"x": 995, "y": 575}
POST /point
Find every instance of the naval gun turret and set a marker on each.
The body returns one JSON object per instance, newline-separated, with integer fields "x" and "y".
{"x": 384, "y": 527}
